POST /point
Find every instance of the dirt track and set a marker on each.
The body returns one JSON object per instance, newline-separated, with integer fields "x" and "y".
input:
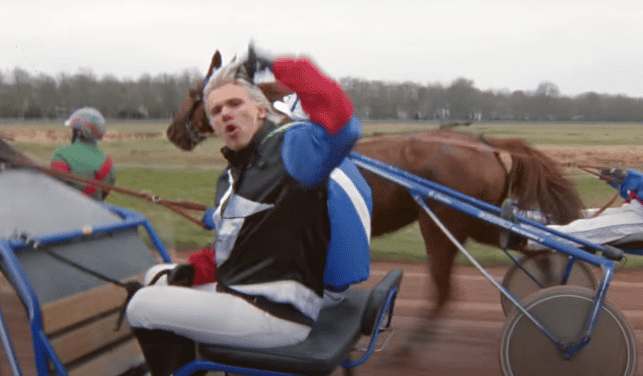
{"x": 466, "y": 342}
{"x": 468, "y": 339}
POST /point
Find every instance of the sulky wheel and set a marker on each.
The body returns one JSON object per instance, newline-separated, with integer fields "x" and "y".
{"x": 548, "y": 270}
{"x": 526, "y": 350}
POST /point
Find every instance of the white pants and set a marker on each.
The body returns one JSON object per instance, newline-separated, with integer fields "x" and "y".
{"x": 207, "y": 316}
{"x": 612, "y": 224}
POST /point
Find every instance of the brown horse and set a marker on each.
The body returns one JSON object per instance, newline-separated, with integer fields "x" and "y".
{"x": 456, "y": 160}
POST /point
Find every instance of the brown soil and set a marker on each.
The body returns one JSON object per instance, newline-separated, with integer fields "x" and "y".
{"x": 467, "y": 338}
{"x": 466, "y": 341}
{"x": 630, "y": 156}
{"x": 46, "y": 136}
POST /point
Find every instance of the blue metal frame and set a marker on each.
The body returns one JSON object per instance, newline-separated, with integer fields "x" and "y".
{"x": 387, "y": 311}
{"x": 8, "y": 347}
{"x": 42, "y": 348}
{"x": 44, "y": 352}
{"x": 420, "y": 189}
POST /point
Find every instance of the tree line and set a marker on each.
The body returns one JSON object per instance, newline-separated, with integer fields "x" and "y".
{"x": 27, "y": 96}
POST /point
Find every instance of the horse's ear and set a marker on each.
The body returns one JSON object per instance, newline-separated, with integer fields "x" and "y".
{"x": 215, "y": 64}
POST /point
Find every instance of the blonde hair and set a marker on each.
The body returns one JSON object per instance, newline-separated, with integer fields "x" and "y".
{"x": 235, "y": 73}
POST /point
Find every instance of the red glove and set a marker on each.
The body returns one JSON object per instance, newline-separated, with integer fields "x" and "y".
{"x": 204, "y": 266}
{"x": 322, "y": 98}
{"x": 60, "y": 166}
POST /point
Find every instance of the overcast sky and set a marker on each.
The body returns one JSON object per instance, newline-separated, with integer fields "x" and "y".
{"x": 579, "y": 45}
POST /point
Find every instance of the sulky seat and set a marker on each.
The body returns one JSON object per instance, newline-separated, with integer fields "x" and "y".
{"x": 629, "y": 242}
{"x": 336, "y": 331}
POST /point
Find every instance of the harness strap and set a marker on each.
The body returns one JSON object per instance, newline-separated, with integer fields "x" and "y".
{"x": 130, "y": 286}
{"x": 176, "y": 206}
{"x": 607, "y": 205}
{"x": 100, "y": 175}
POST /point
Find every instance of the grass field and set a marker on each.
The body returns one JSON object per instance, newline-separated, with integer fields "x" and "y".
{"x": 156, "y": 166}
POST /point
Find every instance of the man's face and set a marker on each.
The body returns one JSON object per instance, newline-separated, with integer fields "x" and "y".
{"x": 236, "y": 118}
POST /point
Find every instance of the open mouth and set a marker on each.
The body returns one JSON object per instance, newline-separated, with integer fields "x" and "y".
{"x": 230, "y": 128}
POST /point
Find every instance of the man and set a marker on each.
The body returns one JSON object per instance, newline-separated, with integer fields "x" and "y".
{"x": 614, "y": 223}
{"x": 83, "y": 156}
{"x": 271, "y": 221}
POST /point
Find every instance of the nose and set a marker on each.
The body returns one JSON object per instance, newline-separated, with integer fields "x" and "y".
{"x": 226, "y": 114}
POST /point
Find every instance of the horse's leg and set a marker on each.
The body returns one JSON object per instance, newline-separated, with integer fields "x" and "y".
{"x": 441, "y": 254}
{"x": 441, "y": 251}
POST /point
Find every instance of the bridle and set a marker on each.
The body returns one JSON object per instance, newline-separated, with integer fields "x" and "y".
{"x": 247, "y": 71}
{"x": 194, "y": 137}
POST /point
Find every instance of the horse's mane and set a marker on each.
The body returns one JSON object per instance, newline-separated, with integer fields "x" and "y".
{"x": 537, "y": 181}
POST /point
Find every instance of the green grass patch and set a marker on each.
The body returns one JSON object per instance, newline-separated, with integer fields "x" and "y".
{"x": 111, "y": 125}
{"x": 537, "y": 133}
{"x": 197, "y": 185}
{"x": 157, "y": 166}
{"x": 194, "y": 185}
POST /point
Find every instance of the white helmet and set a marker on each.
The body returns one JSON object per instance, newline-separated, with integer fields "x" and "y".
{"x": 89, "y": 121}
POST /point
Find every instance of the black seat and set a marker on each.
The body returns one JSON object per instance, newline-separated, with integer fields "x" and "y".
{"x": 629, "y": 242}
{"x": 335, "y": 333}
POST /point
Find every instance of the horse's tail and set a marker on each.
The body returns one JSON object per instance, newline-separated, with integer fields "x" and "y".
{"x": 538, "y": 182}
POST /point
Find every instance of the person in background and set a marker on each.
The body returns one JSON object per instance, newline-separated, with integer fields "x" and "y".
{"x": 614, "y": 223}
{"x": 272, "y": 221}
{"x": 83, "y": 157}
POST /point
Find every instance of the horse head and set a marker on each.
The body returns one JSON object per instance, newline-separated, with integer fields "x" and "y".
{"x": 190, "y": 124}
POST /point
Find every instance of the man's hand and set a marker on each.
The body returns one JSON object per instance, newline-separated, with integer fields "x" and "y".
{"x": 257, "y": 60}
{"x": 208, "y": 217}
{"x": 262, "y": 59}
{"x": 181, "y": 275}
{"x": 617, "y": 174}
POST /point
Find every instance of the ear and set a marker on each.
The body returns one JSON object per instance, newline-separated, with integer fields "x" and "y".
{"x": 215, "y": 63}
{"x": 263, "y": 113}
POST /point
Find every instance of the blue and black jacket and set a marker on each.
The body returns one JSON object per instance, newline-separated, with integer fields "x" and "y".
{"x": 272, "y": 219}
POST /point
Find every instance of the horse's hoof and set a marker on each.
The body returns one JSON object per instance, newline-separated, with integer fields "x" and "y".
{"x": 402, "y": 357}
{"x": 422, "y": 335}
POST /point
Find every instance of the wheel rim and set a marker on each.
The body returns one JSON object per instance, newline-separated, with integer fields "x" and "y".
{"x": 526, "y": 350}
{"x": 521, "y": 285}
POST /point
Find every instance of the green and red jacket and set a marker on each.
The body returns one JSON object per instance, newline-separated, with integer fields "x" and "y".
{"x": 87, "y": 161}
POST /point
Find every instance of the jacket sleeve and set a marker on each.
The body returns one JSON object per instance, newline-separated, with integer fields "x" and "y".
{"x": 633, "y": 183}
{"x": 321, "y": 97}
{"x": 204, "y": 266}
{"x": 312, "y": 149}
{"x": 59, "y": 163}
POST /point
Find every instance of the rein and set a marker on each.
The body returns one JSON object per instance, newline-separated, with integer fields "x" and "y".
{"x": 130, "y": 286}
{"x": 590, "y": 169}
{"x": 176, "y": 206}
{"x": 490, "y": 148}
{"x": 193, "y": 136}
